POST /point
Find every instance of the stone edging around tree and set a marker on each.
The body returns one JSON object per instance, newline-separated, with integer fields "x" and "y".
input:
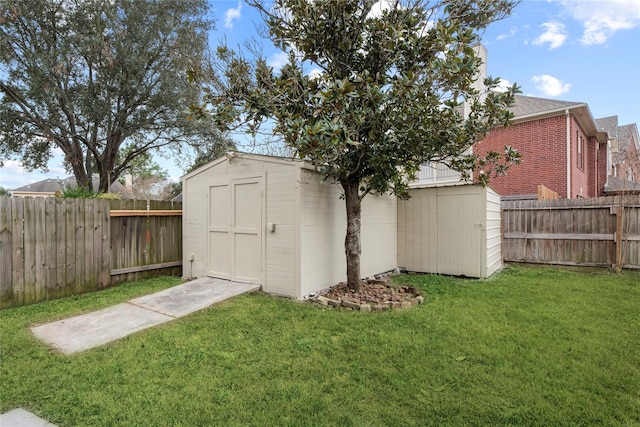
{"x": 376, "y": 295}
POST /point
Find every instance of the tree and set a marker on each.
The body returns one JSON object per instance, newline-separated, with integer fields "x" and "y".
{"x": 204, "y": 155}
{"x": 146, "y": 178}
{"x": 94, "y": 78}
{"x": 393, "y": 78}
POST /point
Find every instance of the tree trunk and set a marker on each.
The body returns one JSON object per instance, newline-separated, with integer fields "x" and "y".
{"x": 352, "y": 240}
{"x": 105, "y": 182}
{"x": 80, "y": 174}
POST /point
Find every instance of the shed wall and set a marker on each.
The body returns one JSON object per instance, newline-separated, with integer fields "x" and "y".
{"x": 450, "y": 230}
{"x": 280, "y": 261}
{"x": 493, "y": 233}
{"x": 323, "y": 231}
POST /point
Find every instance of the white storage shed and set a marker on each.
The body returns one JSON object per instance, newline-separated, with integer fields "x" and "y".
{"x": 276, "y": 222}
{"x": 453, "y": 230}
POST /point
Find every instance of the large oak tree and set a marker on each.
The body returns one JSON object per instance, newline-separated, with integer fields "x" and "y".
{"x": 386, "y": 95}
{"x": 105, "y": 81}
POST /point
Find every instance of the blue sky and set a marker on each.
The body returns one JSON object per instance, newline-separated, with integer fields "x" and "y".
{"x": 572, "y": 50}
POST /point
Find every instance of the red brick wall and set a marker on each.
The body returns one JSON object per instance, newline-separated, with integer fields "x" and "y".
{"x": 579, "y": 178}
{"x": 542, "y": 144}
{"x": 602, "y": 169}
{"x": 631, "y": 162}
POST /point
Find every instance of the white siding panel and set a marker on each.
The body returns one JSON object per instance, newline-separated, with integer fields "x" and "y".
{"x": 450, "y": 230}
{"x": 195, "y": 226}
{"x": 323, "y": 230}
{"x": 324, "y": 226}
{"x": 379, "y": 235}
{"x": 418, "y": 241}
{"x": 219, "y": 215}
{"x": 494, "y": 233}
{"x": 281, "y": 258}
{"x": 247, "y": 230}
{"x": 459, "y": 234}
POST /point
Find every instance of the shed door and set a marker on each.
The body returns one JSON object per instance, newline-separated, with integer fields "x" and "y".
{"x": 235, "y": 230}
{"x": 459, "y": 235}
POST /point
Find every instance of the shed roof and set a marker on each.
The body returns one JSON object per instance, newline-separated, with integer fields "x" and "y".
{"x": 238, "y": 155}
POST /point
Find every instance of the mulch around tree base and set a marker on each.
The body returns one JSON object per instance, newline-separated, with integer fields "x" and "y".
{"x": 374, "y": 295}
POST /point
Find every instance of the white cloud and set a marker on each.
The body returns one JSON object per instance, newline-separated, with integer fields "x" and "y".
{"x": 14, "y": 175}
{"x": 555, "y": 35}
{"x": 600, "y": 19}
{"x": 278, "y": 60}
{"x": 512, "y": 32}
{"x": 315, "y": 73}
{"x": 378, "y": 8}
{"x": 550, "y": 86}
{"x": 231, "y": 15}
{"x": 503, "y": 86}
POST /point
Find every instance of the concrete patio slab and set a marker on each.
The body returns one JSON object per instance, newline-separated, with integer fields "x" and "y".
{"x": 91, "y": 330}
{"x": 192, "y": 296}
{"x": 97, "y": 328}
{"x": 22, "y": 418}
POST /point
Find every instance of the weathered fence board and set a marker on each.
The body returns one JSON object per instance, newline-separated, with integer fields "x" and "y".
{"x": 51, "y": 247}
{"x": 43, "y": 245}
{"x": 6, "y": 253}
{"x": 145, "y": 243}
{"x": 591, "y": 232}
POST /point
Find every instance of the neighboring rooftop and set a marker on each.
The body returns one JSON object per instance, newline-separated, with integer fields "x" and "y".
{"x": 609, "y": 125}
{"x": 528, "y": 108}
{"x": 529, "y": 105}
{"x": 619, "y": 185}
{"x": 627, "y": 135}
{"x": 50, "y": 186}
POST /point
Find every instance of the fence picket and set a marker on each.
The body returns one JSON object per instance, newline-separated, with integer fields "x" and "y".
{"x": 50, "y": 248}
{"x": 17, "y": 262}
{"x": 6, "y": 252}
{"x": 30, "y": 239}
{"x": 584, "y": 230}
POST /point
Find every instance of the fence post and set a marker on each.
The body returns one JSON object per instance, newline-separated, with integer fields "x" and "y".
{"x": 619, "y": 213}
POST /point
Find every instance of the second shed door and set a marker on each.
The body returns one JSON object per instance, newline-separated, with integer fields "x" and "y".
{"x": 235, "y": 230}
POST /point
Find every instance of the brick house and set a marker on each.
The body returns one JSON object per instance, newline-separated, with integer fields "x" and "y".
{"x": 624, "y": 167}
{"x": 626, "y": 158}
{"x": 561, "y": 145}
{"x": 626, "y": 161}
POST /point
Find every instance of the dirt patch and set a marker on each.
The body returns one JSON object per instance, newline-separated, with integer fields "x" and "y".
{"x": 374, "y": 295}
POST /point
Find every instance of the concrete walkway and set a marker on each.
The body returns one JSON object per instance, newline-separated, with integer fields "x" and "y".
{"x": 91, "y": 330}
{"x": 22, "y": 418}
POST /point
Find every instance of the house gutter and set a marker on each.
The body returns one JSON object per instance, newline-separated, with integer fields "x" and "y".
{"x": 568, "y": 127}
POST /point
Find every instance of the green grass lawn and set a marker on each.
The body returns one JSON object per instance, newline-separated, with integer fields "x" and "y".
{"x": 530, "y": 346}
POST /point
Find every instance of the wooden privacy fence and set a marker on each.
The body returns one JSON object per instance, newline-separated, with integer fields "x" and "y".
{"x": 590, "y": 232}
{"x": 145, "y": 242}
{"x": 545, "y": 193}
{"x": 53, "y": 247}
